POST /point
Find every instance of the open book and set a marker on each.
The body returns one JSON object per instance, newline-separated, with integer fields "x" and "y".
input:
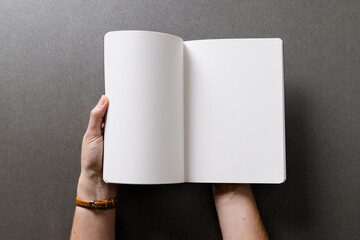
{"x": 193, "y": 111}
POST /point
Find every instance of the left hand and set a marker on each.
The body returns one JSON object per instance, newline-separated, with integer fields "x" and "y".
{"x": 91, "y": 185}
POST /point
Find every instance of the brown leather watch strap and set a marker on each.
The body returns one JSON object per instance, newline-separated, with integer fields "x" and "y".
{"x": 106, "y": 204}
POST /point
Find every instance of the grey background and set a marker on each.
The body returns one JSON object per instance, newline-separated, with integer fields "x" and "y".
{"x": 51, "y": 75}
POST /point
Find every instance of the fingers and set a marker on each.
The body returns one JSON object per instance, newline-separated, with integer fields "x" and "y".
{"x": 97, "y": 114}
{"x": 102, "y": 128}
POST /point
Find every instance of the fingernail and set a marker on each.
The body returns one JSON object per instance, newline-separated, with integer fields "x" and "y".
{"x": 102, "y": 100}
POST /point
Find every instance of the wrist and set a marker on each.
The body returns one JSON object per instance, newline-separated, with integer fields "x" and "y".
{"x": 95, "y": 189}
{"x": 229, "y": 194}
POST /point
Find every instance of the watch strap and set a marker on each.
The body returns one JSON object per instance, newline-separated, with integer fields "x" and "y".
{"x": 105, "y": 204}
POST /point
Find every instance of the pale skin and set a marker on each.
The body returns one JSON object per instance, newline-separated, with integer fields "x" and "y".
{"x": 237, "y": 211}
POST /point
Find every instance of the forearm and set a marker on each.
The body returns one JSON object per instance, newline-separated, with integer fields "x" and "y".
{"x": 238, "y": 214}
{"x": 94, "y": 223}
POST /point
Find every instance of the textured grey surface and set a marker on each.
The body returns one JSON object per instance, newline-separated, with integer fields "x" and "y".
{"x": 51, "y": 75}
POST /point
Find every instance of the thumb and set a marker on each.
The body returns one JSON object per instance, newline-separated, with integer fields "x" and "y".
{"x": 96, "y": 116}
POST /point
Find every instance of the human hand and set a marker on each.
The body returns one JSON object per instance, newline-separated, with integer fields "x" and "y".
{"x": 91, "y": 185}
{"x": 94, "y": 223}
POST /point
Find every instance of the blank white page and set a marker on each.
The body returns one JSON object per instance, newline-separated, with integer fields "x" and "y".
{"x": 234, "y": 111}
{"x": 144, "y": 141}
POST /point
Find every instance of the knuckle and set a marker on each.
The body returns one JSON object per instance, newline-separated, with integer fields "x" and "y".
{"x": 94, "y": 112}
